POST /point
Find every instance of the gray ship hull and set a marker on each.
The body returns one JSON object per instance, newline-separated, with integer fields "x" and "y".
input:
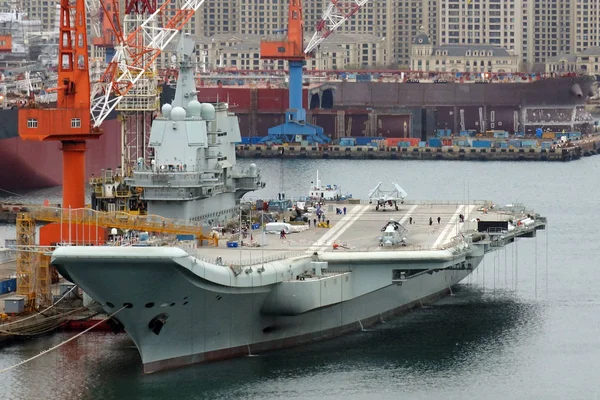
{"x": 208, "y": 321}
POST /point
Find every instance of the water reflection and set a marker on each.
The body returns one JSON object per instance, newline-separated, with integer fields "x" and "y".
{"x": 469, "y": 331}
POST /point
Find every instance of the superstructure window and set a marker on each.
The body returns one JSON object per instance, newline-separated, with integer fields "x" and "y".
{"x": 75, "y": 122}
{"x": 32, "y": 123}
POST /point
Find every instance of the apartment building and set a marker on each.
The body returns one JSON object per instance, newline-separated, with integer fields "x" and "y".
{"x": 461, "y": 57}
{"x": 242, "y": 52}
{"x": 491, "y": 22}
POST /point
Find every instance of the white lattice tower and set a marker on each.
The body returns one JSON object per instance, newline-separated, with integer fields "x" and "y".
{"x": 335, "y": 15}
{"x": 135, "y": 55}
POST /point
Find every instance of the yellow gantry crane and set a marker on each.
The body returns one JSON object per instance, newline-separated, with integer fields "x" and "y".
{"x": 33, "y": 262}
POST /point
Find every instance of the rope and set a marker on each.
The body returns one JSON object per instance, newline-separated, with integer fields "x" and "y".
{"x": 62, "y": 343}
{"x": 9, "y": 192}
{"x": 41, "y": 327}
{"x": 41, "y": 312}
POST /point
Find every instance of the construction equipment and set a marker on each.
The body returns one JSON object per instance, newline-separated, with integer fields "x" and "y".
{"x": 290, "y": 48}
{"x": 69, "y": 122}
{"x": 295, "y": 128}
{"x": 137, "y": 51}
{"x": 334, "y": 16}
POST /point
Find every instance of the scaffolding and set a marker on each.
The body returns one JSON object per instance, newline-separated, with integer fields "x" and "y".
{"x": 34, "y": 274}
{"x": 26, "y": 258}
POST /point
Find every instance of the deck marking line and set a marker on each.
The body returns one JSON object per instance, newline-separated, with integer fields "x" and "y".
{"x": 408, "y": 214}
{"x": 348, "y": 225}
{"x": 339, "y": 225}
{"x": 448, "y": 226}
{"x": 468, "y": 210}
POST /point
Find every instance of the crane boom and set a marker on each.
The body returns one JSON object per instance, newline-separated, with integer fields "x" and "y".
{"x": 334, "y": 16}
{"x": 135, "y": 55}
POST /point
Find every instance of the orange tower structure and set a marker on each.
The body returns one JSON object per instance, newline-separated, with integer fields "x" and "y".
{"x": 70, "y": 121}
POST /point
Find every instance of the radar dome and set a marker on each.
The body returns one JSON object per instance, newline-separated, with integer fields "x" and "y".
{"x": 208, "y": 111}
{"x": 178, "y": 114}
{"x": 166, "y": 110}
{"x": 253, "y": 170}
{"x": 194, "y": 108}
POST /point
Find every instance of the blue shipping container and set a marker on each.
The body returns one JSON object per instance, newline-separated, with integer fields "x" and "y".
{"x": 435, "y": 142}
{"x": 256, "y": 139}
{"x": 514, "y": 143}
{"x": 481, "y": 143}
{"x": 186, "y": 237}
{"x": 529, "y": 143}
{"x": 364, "y": 141}
{"x": 8, "y": 286}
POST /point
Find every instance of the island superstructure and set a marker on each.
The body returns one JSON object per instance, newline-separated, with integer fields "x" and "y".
{"x": 192, "y": 174}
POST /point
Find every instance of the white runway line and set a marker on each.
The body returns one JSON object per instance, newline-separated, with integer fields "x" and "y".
{"x": 339, "y": 225}
{"x": 348, "y": 225}
{"x": 448, "y": 226}
{"x": 408, "y": 214}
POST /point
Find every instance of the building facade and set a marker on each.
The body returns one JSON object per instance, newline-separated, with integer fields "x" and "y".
{"x": 472, "y": 58}
{"x": 587, "y": 61}
{"x": 491, "y": 22}
{"x": 242, "y": 52}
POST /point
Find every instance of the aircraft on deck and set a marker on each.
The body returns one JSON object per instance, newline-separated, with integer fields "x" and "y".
{"x": 385, "y": 198}
{"x": 393, "y": 234}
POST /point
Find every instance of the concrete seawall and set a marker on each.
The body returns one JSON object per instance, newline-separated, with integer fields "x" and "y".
{"x": 579, "y": 149}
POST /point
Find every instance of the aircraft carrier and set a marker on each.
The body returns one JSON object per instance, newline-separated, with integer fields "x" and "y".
{"x": 183, "y": 304}
{"x": 182, "y": 307}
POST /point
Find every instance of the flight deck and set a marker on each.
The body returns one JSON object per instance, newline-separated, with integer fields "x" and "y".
{"x": 360, "y": 229}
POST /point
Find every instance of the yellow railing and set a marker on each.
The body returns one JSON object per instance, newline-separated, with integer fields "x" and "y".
{"x": 121, "y": 220}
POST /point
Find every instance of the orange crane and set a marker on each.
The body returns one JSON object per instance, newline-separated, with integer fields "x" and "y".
{"x": 291, "y": 48}
{"x": 69, "y": 122}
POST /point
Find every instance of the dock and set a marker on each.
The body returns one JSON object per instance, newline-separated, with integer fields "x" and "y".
{"x": 576, "y": 150}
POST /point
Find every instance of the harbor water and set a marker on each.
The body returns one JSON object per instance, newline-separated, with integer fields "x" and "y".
{"x": 525, "y": 325}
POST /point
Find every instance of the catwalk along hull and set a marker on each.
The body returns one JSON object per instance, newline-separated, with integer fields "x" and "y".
{"x": 208, "y": 319}
{"x": 32, "y": 165}
{"x": 392, "y": 109}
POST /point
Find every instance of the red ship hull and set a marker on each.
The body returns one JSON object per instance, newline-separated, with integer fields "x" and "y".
{"x": 32, "y": 165}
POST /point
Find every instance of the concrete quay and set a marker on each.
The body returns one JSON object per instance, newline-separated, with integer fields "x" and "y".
{"x": 581, "y": 148}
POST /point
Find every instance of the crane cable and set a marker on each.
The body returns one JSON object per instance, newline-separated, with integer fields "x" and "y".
{"x": 62, "y": 343}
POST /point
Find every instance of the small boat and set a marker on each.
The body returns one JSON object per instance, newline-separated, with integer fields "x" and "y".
{"x": 326, "y": 192}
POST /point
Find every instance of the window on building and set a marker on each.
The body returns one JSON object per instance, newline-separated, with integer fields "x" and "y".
{"x": 32, "y": 123}
{"x": 75, "y": 122}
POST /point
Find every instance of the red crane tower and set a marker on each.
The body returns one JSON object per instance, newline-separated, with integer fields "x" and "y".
{"x": 69, "y": 122}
